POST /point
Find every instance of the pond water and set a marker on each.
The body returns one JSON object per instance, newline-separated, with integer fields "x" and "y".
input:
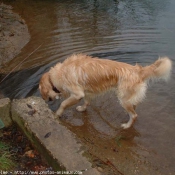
{"x": 131, "y": 31}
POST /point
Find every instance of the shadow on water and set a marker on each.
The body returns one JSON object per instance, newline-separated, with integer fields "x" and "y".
{"x": 22, "y": 88}
{"x": 128, "y": 31}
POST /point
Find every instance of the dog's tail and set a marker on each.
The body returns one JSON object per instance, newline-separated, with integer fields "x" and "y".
{"x": 160, "y": 69}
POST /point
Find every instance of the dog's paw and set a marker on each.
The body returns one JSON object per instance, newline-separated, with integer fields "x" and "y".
{"x": 80, "y": 108}
{"x": 125, "y": 126}
{"x": 59, "y": 112}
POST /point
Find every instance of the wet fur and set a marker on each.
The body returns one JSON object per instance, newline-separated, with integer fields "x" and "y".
{"x": 81, "y": 76}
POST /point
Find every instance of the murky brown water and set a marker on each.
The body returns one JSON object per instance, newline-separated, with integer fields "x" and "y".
{"x": 129, "y": 31}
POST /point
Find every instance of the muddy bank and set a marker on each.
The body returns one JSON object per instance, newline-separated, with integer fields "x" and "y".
{"x": 14, "y": 34}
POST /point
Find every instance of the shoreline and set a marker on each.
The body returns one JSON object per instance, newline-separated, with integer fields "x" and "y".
{"x": 14, "y": 34}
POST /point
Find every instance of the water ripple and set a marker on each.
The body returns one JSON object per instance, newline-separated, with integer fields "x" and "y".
{"x": 128, "y": 31}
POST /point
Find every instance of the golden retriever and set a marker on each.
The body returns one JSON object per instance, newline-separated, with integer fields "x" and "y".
{"x": 81, "y": 77}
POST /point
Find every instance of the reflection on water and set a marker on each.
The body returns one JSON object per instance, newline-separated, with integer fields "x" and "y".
{"x": 131, "y": 31}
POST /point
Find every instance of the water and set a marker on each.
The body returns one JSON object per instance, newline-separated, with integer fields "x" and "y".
{"x": 129, "y": 31}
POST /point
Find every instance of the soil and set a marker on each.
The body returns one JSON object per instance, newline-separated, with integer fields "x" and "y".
{"x": 24, "y": 154}
{"x": 14, "y": 34}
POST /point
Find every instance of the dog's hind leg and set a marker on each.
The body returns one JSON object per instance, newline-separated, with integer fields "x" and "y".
{"x": 132, "y": 114}
{"x": 73, "y": 99}
{"x": 83, "y": 107}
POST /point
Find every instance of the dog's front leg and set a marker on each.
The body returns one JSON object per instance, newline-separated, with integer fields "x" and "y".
{"x": 73, "y": 99}
{"x": 83, "y": 107}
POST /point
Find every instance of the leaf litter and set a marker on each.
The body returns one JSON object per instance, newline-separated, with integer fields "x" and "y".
{"x": 27, "y": 158}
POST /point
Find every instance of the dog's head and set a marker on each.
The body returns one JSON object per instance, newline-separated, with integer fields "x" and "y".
{"x": 47, "y": 90}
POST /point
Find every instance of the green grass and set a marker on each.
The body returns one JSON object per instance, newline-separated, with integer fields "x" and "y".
{"x": 6, "y": 159}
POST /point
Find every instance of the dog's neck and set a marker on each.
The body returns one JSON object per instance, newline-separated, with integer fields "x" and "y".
{"x": 53, "y": 87}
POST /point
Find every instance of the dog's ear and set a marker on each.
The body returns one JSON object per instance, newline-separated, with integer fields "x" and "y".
{"x": 46, "y": 76}
{"x": 44, "y": 93}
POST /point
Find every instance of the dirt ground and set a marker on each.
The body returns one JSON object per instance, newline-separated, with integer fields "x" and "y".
{"x": 23, "y": 153}
{"x": 14, "y": 34}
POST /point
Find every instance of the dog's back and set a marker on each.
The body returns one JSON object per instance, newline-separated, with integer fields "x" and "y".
{"x": 94, "y": 75}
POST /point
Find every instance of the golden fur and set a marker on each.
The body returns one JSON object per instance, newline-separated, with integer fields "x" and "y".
{"x": 81, "y": 76}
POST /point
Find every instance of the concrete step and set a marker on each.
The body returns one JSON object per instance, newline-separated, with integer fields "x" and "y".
{"x": 55, "y": 142}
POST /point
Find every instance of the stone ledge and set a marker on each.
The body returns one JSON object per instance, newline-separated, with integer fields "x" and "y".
{"x": 58, "y": 145}
{"x": 5, "y": 111}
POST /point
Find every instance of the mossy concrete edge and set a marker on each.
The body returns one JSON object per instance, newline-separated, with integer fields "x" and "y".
{"x": 5, "y": 105}
{"x": 55, "y": 142}
{"x": 17, "y": 119}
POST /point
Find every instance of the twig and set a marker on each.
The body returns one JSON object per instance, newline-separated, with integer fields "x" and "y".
{"x": 20, "y": 63}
